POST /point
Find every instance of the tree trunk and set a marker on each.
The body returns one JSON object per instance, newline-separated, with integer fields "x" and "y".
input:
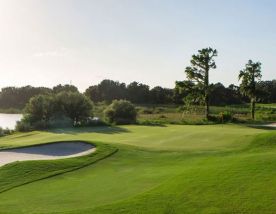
{"x": 206, "y": 85}
{"x": 207, "y": 110}
{"x": 253, "y": 108}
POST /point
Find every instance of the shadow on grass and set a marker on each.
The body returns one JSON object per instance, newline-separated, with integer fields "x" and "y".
{"x": 23, "y": 135}
{"x": 156, "y": 125}
{"x": 98, "y": 129}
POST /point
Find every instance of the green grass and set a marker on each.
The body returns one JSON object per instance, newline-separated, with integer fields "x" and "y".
{"x": 30, "y": 171}
{"x": 169, "y": 169}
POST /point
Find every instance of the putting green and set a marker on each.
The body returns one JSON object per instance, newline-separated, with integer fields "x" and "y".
{"x": 172, "y": 169}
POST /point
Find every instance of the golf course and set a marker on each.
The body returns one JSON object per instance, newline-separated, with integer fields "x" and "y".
{"x": 137, "y": 107}
{"x": 222, "y": 168}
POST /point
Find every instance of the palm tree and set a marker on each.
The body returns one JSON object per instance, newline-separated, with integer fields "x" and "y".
{"x": 249, "y": 77}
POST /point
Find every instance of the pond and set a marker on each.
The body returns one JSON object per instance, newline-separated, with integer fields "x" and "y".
{"x": 9, "y": 120}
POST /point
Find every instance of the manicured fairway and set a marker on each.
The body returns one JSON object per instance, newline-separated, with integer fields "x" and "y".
{"x": 170, "y": 169}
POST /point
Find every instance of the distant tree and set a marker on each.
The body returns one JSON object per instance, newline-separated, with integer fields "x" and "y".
{"x": 120, "y": 112}
{"x": 267, "y": 91}
{"x": 249, "y": 78}
{"x": 199, "y": 72}
{"x": 67, "y": 88}
{"x": 234, "y": 95}
{"x": 138, "y": 92}
{"x": 94, "y": 93}
{"x": 220, "y": 95}
{"x": 161, "y": 95}
{"x": 110, "y": 90}
{"x": 18, "y": 97}
{"x": 74, "y": 105}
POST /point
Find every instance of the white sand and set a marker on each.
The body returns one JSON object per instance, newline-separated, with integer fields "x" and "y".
{"x": 271, "y": 125}
{"x": 46, "y": 152}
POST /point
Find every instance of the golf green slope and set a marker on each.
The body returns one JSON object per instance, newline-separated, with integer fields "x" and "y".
{"x": 170, "y": 169}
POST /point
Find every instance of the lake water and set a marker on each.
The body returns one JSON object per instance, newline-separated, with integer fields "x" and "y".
{"x": 9, "y": 120}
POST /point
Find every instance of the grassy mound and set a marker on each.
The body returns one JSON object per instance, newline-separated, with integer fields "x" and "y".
{"x": 172, "y": 169}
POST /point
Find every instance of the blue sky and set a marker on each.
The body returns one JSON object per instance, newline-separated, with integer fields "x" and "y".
{"x": 47, "y": 42}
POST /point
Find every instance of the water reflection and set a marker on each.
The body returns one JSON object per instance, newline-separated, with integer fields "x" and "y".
{"x": 9, "y": 120}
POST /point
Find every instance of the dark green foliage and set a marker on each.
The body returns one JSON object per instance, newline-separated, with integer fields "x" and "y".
{"x": 226, "y": 116}
{"x": 44, "y": 111}
{"x": 186, "y": 92}
{"x": 94, "y": 93}
{"x": 17, "y": 97}
{"x": 219, "y": 95}
{"x": 121, "y": 112}
{"x": 40, "y": 107}
{"x": 4, "y": 132}
{"x": 135, "y": 92}
{"x": 74, "y": 105}
{"x": 107, "y": 90}
{"x": 159, "y": 95}
{"x": 13, "y": 100}
{"x": 267, "y": 91}
{"x": 38, "y": 112}
{"x": 67, "y": 88}
{"x": 24, "y": 125}
{"x": 138, "y": 93}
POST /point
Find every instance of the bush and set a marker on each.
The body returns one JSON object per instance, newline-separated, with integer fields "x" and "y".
{"x": 23, "y": 126}
{"x": 4, "y": 132}
{"x": 55, "y": 110}
{"x": 93, "y": 121}
{"x": 74, "y": 105}
{"x": 121, "y": 112}
{"x": 226, "y": 116}
{"x": 222, "y": 117}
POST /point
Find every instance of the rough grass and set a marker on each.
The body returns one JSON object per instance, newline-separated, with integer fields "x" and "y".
{"x": 172, "y": 114}
{"x": 169, "y": 169}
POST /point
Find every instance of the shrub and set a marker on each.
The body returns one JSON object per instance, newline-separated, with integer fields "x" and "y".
{"x": 222, "y": 117}
{"x": 121, "y": 112}
{"x": 23, "y": 126}
{"x": 226, "y": 116}
{"x": 4, "y": 132}
{"x": 55, "y": 110}
{"x": 74, "y": 105}
{"x": 39, "y": 108}
{"x": 92, "y": 122}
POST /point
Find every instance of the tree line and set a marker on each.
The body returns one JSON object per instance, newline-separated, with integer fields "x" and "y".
{"x": 184, "y": 92}
{"x": 139, "y": 93}
{"x": 18, "y": 97}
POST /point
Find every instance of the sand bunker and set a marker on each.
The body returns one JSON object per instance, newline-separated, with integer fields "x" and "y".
{"x": 46, "y": 152}
{"x": 271, "y": 125}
